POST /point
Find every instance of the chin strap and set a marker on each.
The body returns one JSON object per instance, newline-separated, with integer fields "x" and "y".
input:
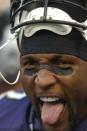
{"x": 10, "y": 83}
{"x": 11, "y": 39}
{"x": 33, "y": 126}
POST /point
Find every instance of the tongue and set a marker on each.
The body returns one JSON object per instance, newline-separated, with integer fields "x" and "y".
{"x": 50, "y": 113}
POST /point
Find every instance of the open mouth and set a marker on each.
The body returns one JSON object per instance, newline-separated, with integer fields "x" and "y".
{"x": 51, "y": 109}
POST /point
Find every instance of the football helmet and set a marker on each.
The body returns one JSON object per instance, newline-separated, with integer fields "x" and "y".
{"x": 58, "y": 16}
{"x": 23, "y": 12}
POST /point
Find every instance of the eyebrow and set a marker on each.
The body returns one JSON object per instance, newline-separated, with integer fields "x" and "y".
{"x": 52, "y": 56}
{"x": 30, "y": 59}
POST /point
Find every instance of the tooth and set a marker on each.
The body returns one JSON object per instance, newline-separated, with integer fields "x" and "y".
{"x": 49, "y": 99}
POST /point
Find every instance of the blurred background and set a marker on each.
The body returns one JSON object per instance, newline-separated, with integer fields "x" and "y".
{"x": 9, "y": 55}
{"x": 13, "y": 101}
{"x": 4, "y": 16}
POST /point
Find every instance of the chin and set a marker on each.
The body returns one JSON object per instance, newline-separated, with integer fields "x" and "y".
{"x": 69, "y": 126}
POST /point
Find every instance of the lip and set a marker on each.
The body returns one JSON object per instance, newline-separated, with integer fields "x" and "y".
{"x": 50, "y": 94}
{"x": 61, "y": 99}
{"x": 46, "y": 94}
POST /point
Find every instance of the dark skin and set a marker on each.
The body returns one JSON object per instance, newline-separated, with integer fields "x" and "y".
{"x": 70, "y": 84}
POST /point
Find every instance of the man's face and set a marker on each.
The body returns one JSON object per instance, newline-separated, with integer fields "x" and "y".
{"x": 57, "y": 86}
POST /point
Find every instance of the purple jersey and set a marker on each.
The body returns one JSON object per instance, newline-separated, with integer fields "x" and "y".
{"x": 16, "y": 115}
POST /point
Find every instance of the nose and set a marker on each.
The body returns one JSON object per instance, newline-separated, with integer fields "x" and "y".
{"x": 44, "y": 79}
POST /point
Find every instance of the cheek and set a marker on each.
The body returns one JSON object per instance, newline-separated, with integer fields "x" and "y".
{"x": 28, "y": 85}
{"x": 75, "y": 87}
{"x": 77, "y": 82}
